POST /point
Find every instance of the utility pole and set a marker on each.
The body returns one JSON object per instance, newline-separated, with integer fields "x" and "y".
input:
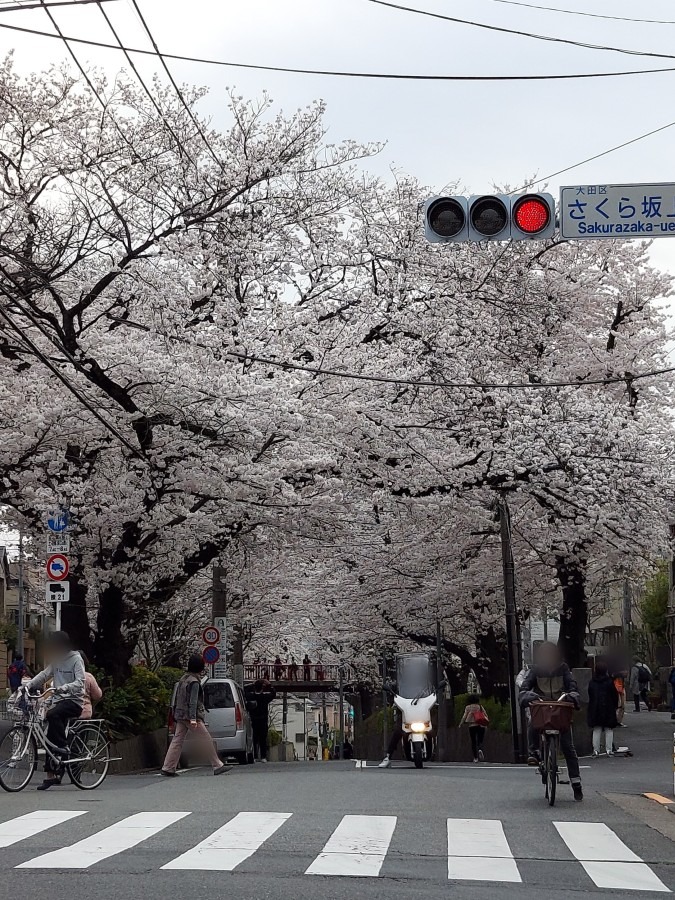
{"x": 442, "y": 709}
{"x": 342, "y": 713}
{"x": 514, "y": 648}
{"x": 22, "y": 612}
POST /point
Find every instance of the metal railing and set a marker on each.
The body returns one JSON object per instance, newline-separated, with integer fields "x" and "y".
{"x": 291, "y": 672}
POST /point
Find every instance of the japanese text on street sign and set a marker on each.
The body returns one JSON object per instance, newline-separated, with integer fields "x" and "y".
{"x": 58, "y": 592}
{"x": 597, "y": 211}
{"x": 57, "y": 543}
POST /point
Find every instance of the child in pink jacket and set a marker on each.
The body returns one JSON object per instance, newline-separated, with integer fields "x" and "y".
{"x": 92, "y": 694}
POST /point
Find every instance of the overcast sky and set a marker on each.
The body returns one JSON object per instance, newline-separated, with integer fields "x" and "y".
{"x": 477, "y": 134}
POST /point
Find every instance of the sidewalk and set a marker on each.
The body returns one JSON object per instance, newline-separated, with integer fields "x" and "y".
{"x": 649, "y": 735}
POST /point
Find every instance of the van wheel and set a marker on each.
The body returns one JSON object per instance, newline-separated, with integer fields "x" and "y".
{"x": 250, "y": 758}
{"x": 242, "y": 758}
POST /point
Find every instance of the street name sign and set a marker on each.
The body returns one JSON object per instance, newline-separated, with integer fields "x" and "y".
{"x": 58, "y": 592}
{"x": 605, "y": 211}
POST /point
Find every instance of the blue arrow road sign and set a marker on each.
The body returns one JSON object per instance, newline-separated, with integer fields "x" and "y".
{"x": 58, "y": 520}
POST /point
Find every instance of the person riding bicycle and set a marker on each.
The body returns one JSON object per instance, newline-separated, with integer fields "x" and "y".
{"x": 549, "y": 679}
{"x": 66, "y": 670}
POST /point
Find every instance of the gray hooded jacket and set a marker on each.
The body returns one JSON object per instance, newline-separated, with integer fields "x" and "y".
{"x": 68, "y": 677}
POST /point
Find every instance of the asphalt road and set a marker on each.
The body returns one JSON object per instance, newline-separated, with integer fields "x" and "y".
{"x": 141, "y": 836}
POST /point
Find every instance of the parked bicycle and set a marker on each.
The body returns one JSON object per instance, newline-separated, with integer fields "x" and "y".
{"x": 550, "y": 719}
{"x": 88, "y": 745}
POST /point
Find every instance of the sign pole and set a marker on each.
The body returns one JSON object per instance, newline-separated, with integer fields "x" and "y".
{"x": 22, "y": 616}
{"x": 58, "y": 616}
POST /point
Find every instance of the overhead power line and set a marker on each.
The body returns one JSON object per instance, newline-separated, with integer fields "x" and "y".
{"x": 16, "y": 6}
{"x": 395, "y": 76}
{"x": 527, "y": 34}
{"x": 478, "y": 385}
{"x": 589, "y": 15}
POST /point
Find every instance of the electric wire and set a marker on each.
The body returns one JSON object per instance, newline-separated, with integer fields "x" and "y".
{"x": 392, "y": 76}
{"x": 16, "y": 7}
{"x": 178, "y": 91}
{"x": 527, "y": 34}
{"x": 590, "y": 15}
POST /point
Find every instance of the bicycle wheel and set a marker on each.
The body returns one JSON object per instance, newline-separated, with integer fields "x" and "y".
{"x": 18, "y": 759}
{"x": 90, "y": 746}
{"x": 552, "y": 769}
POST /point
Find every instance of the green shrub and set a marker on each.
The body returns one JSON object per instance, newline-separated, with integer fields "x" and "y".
{"x": 498, "y": 713}
{"x": 169, "y": 676}
{"x": 273, "y": 738}
{"x": 138, "y": 706}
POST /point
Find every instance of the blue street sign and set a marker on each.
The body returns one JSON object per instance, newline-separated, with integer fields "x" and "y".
{"x": 211, "y": 655}
{"x": 57, "y": 520}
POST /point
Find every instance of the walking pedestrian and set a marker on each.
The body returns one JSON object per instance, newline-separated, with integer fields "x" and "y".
{"x": 603, "y": 702}
{"x": 620, "y": 685}
{"x": 189, "y": 714}
{"x": 477, "y": 720}
{"x": 640, "y": 679}
{"x": 278, "y": 669}
{"x": 66, "y": 670}
{"x": 263, "y": 694}
{"x": 16, "y": 672}
{"x": 307, "y": 668}
{"x": 671, "y": 682}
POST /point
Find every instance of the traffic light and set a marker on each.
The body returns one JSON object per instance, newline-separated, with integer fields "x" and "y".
{"x": 490, "y": 217}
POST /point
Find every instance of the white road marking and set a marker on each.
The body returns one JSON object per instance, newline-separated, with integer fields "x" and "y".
{"x": 109, "y": 842}
{"x": 33, "y": 823}
{"x": 358, "y": 846}
{"x": 606, "y": 859}
{"x": 478, "y": 851}
{"x": 231, "y": 844}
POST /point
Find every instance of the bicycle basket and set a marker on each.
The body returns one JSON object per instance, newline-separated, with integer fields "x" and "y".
{"x": 550, "y": 715}
{"x": 17, "y": 708}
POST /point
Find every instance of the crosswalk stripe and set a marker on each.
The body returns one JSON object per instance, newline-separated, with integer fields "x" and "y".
{"x": 478, "y": 851}
{"x": 226, "y": 848}
{"x": 33, "y": 823}
{"x": 358, "y": 846}
{"x": 109, "y": 842}
{"x": 606, "y": 859}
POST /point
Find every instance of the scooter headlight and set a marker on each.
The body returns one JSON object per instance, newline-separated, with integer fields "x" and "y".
{"x": 418, "y": 727}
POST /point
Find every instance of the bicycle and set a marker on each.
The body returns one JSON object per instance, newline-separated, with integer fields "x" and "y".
{"x": 88, "y": 744}
{"x": 550, "y": 718}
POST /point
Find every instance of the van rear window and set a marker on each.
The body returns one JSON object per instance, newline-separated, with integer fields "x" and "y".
{"x": 218, "y": 696}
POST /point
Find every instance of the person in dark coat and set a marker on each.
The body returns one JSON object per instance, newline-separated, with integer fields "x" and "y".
{"x": 603, "y": 703}
{"x": 262, "y": 695}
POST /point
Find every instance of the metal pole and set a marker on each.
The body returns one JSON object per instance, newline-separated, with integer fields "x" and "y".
{"x": 284, "y": 717}
{"x": 58, "y": 617}
{"x": 442, "y": 710}
{"x": 22, "y": 614}
{"x": 342, "y": 715}
{"x": 512, "y": 639}
{"x": 385, "y": 737}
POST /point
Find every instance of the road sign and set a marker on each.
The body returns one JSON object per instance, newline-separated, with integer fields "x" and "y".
{"x": 57, "y": 520}
{"x": 211, "y": 655}
{"x": 58, "y": 592}
{"x": 57, "y": 567}
{"x": 57, "y": 543}
{"x": 211, "y": 635}
{"x": 602, "y": 211}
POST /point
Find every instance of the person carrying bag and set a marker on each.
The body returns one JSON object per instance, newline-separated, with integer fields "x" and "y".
{"x": 477, "y": 720}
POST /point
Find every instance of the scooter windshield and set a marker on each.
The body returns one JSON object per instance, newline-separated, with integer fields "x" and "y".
{"x": 413, "y": 677}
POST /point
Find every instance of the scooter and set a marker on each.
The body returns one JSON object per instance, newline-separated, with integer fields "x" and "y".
{"x": 416, "y": 715}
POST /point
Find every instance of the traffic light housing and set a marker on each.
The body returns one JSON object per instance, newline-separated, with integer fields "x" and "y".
{"x": 489, "y": 217}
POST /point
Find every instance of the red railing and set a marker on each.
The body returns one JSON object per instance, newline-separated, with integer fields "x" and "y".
{"x": 291, "y": 672}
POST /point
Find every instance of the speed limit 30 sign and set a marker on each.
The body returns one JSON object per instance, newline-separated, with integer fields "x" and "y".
{"x": 211, "y": 635}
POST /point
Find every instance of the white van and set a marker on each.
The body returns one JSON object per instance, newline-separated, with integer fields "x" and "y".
{"x": 227, "y": 720}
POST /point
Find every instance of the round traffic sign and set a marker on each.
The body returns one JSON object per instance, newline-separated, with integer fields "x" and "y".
{"x": 211, "y": 635}
{"x": 57, "y": 567}
{"x": 58, "y": 520}
{"x": 211, "y": 655}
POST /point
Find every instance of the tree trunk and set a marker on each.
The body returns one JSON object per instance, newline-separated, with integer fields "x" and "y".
{"x": 491, "y": 665}
{"x": 112, "y": 651}
{"x": 75, "y": 619}
{"x": 574, "y": 615}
